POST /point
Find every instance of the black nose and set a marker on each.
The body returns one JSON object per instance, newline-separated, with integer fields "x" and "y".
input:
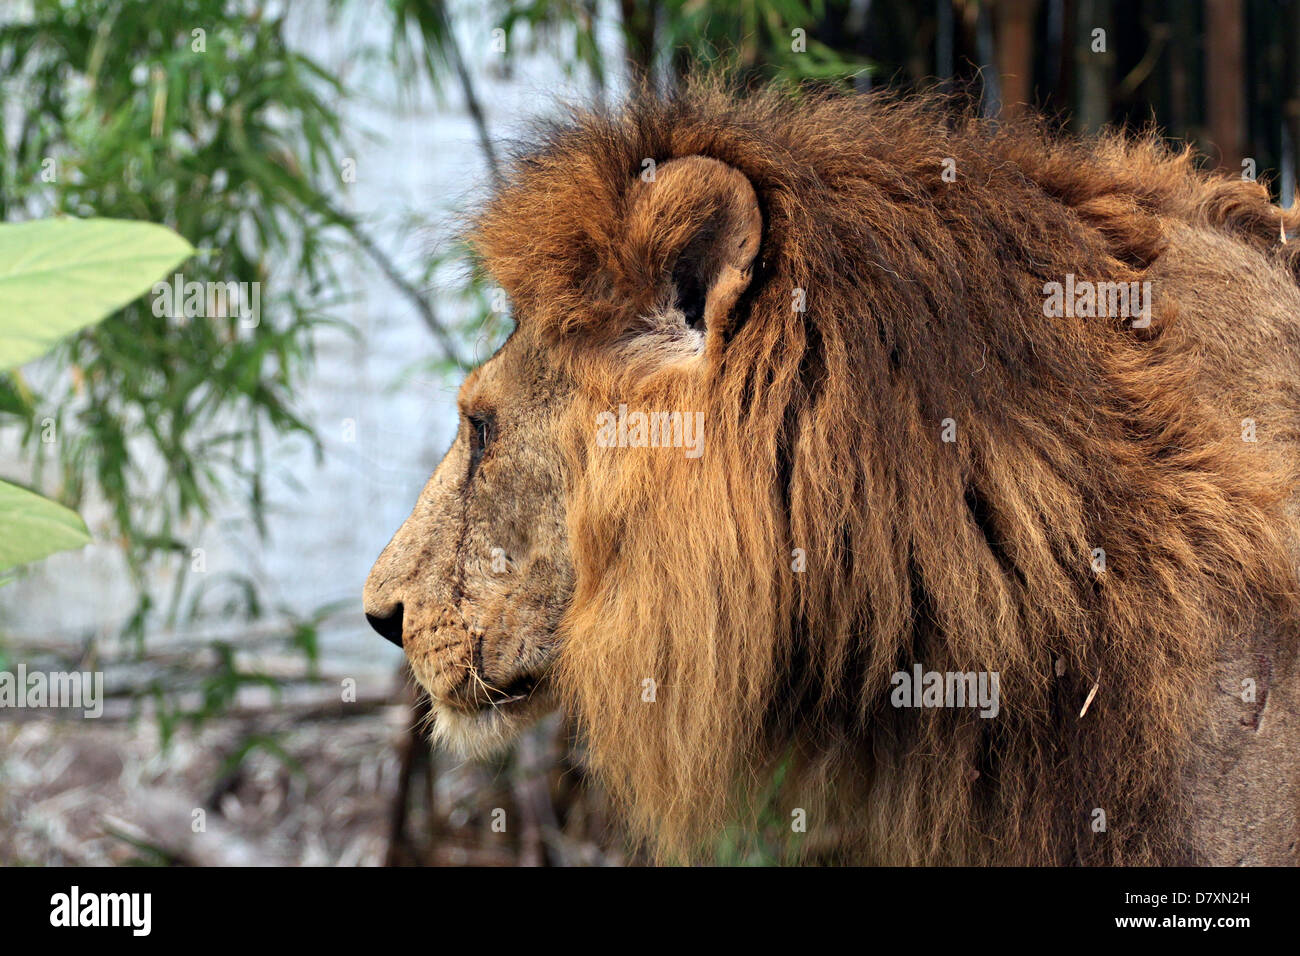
{"x": 390, "y": 627}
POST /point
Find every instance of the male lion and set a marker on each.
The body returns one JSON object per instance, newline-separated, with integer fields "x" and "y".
{"x": 905, "y": 457}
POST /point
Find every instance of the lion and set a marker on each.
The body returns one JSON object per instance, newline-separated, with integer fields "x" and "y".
{"x": 792, "y": 416}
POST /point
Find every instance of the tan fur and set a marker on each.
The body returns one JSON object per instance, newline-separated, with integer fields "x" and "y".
{"x": 924, "y": 303}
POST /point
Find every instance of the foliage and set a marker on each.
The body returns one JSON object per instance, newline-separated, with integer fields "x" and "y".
{"x": 196, "y": 114}
{"x": 755, "y": 39}
{"x": 56, "y": 277}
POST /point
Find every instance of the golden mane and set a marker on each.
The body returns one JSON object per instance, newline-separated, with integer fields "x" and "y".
{"x": 825, "y": 444}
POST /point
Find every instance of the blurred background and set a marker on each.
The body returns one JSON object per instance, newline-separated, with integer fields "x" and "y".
{"x": 240, "y": 482}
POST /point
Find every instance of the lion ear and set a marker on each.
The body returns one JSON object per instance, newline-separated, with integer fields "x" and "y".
{"x": 697, "y": 226}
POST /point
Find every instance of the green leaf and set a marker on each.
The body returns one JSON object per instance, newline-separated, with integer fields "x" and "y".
{"x": 14, "y": 398}
{"x": 32, "y": 527}
{"x": 60, "y": 275}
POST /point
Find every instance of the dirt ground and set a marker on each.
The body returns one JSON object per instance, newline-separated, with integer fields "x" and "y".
{"x": 261, "y": 787}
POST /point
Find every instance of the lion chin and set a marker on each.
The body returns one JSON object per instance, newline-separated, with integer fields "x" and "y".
{"x": 482, "y": 733}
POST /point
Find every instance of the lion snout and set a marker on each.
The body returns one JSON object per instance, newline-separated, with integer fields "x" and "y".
{"x": 441, "y": 653}
{"x": 387, "y": 624}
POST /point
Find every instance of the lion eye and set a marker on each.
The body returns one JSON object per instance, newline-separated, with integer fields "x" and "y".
{"x": 480, "y": 436}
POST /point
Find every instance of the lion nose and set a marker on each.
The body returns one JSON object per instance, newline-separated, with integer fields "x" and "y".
{"x": 389, "y": 626}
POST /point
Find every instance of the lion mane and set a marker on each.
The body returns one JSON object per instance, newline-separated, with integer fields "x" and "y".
{"x": 830, "y": 537}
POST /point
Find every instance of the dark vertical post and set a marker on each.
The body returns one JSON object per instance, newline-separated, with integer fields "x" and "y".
{"x": 1225, "y": 88}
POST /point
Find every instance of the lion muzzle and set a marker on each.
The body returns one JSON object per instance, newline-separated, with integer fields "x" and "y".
{"x": 441, "y": 650}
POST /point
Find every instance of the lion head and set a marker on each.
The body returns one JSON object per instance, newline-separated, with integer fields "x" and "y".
{"x": 476, "y": 583}
{"x": 782, "y": 417}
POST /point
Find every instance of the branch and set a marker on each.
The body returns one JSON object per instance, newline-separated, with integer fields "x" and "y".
{"x": 413, "y": 295}
{"x": 475, "y": 108}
